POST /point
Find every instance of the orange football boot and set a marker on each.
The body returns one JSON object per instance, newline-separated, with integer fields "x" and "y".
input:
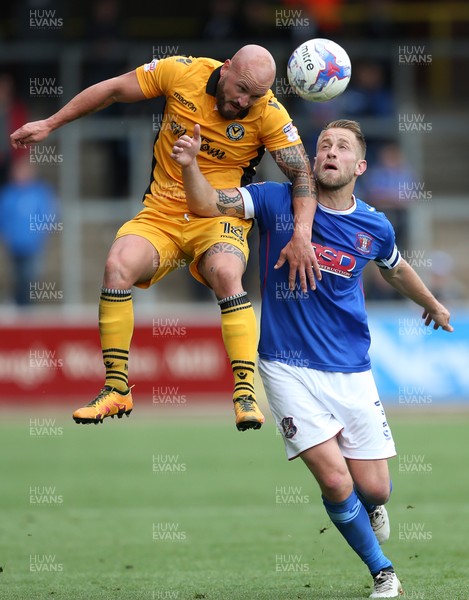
{"x": 248, "y": 415}
{"x": 108, "y": 403}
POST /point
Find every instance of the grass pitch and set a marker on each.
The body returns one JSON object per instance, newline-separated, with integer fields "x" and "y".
{"x": 159, "y": 507}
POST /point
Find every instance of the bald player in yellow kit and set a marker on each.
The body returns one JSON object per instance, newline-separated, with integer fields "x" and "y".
{"x": 240, "y": 118}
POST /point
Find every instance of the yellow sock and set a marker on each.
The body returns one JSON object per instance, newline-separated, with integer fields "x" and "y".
{"x": 239, "y": 330}
{"x": 116, "y": 325}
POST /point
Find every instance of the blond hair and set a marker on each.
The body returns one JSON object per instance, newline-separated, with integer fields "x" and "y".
{"x": 352, "y": 126}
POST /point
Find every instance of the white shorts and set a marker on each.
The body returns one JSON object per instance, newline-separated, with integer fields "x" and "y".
{"x": 311, "y": 406}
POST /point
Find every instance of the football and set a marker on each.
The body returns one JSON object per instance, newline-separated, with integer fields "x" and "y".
{"x": 319, "y": 70}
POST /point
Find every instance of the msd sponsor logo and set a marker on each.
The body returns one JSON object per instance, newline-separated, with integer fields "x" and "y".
{"x": 334, "y": 261}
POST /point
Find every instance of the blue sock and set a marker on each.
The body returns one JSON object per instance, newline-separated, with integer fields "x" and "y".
{"x": 369, "y": 507}
{"x": 352, "y": 520}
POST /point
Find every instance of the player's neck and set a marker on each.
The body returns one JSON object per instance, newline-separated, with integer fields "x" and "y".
{"x": 336, "y": 199}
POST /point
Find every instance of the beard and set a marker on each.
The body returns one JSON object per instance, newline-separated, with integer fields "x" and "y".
{"x": 333, "y": 182}
{"x": 226, "y": 109}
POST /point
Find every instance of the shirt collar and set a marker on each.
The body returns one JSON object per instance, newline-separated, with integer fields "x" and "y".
{"x": 333, "y": 211}
{"x": 211, "y": 87}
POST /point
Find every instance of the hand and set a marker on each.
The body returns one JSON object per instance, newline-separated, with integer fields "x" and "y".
{"x": 439, "y": 316}
{"x": 186, "y": 148}
{"x": 302, "y": 260}
{"x": 30, "y": 133}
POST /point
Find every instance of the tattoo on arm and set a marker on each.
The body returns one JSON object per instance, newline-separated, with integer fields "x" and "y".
{"x": 294, "y": 163}
{"x": 230, "y": 202}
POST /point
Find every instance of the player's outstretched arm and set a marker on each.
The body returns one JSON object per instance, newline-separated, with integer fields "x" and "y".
{"x": 202, "y": 198}
{"x": 124, "y": 88}
{"x": 406, "y": 281}
{"x": 294, "y": 163}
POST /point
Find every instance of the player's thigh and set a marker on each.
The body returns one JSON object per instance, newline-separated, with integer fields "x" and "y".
{"x": 326, "y": 463}
{"x": 217, "y": 245}
{"x": 372, "y": 478}
{"x": 161, "y": 245}
{"x": 131, "y": 258}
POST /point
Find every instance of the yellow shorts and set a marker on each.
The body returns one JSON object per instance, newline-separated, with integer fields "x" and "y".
{"x": 183, "y": 238}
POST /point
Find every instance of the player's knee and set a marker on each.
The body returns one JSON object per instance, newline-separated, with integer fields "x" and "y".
{"x": 223, "y": 266}
{"x": 336, "y": 485}
{"x": 226, "y": 275}
{"x": 117, "y": 273}
{"x": 382, "y": 496}
{"x": 377, "y": 493}
{"x": 225, "y": 279}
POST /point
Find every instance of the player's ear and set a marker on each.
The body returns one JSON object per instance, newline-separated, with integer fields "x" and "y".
{"x": 225, "y": 66}
{"x": 360, "y": 167}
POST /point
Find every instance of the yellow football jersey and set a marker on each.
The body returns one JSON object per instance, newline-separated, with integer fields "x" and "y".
{"x": 230, "y": 150}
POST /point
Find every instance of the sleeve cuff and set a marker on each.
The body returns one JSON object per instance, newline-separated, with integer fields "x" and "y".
{"x": 391, "y": 262}
{"x": 248, "y": 203}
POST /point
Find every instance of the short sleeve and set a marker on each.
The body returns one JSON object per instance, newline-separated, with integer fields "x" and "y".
{"x": 389, "y": 255}
{"x": 249, "y": 211}
{"x": 278, "y": 130}
{"x": 267, "y": 202}
{"x": 158, "y": 76}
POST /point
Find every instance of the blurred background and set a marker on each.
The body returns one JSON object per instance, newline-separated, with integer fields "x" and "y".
{"x": 62, "y": 201}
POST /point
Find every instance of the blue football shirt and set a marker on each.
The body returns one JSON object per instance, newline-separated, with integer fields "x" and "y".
{"x": 325, "y": 329}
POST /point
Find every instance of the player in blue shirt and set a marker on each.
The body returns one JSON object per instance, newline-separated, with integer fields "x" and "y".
{"x": 313, "y": 349}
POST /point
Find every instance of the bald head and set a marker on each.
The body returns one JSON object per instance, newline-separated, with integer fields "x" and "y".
{"x": 257, "y": 62}
{"x": 244, "y": 79}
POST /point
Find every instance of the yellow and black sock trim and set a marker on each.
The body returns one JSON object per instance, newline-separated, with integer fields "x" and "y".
{"x": 243, "y": 371}
{"x": 234, "y": 303}
{"x": 116, "y": 357}
{"x": 116, "y": 295}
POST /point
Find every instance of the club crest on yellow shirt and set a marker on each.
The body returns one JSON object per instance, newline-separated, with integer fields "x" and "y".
{"x": 235, "y": 131}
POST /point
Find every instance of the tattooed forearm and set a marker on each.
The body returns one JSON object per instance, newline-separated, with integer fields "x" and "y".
{"x": 294, "y": 163}
{"x": 230, "y": 202}
{"x": 303, "y": 188}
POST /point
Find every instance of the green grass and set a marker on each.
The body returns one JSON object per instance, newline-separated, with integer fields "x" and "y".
{"x": 230, "y": 533}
